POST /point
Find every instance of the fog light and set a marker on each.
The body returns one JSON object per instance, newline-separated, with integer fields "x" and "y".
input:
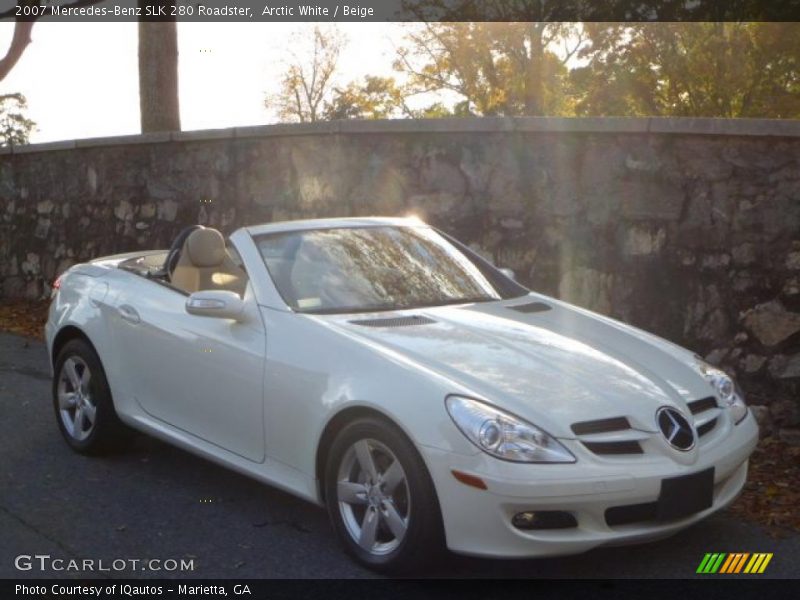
{"x": 544, "y": 519}
{"x": 524, "y": 520}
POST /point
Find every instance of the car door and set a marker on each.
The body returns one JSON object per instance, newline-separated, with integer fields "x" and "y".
{"x": 203, "y": 375}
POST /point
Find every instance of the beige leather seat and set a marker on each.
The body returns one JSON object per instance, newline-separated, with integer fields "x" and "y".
{"x": 204, "y": 264}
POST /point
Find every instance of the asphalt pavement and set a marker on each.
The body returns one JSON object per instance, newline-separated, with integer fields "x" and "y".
{"x": 157, "y": 502}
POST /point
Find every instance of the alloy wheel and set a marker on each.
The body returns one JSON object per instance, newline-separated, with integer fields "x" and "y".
{"x": 77, "y": 409}
{"x": 373, "y": 496}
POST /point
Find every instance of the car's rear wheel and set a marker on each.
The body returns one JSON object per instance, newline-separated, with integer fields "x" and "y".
{"x": 381, "y": 499}
{"x": 82, "y": 402}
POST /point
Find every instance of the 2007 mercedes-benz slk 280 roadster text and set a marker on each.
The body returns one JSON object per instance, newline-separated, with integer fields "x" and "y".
{"x": 386, "y": 371}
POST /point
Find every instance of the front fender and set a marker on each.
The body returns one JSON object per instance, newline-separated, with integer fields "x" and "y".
{"x": 314, "y": 372}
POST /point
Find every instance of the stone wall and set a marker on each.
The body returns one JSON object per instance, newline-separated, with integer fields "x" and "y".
{"x": 686, "y": 227}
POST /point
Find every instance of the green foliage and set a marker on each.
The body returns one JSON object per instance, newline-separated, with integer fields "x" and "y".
{"x": 704, "y": 69}
{"x": 690, "y": 69}
{"x": 374, "y": 98}
{"x": 15, "y": 127}
{"x": 496, "y": 68}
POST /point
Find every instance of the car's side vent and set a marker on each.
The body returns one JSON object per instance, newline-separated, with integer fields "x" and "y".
{"x": 531, "y": 307}
{"x": 621, "y": 447}
{"x": 702, "y": 405}
{"x": 601, "y": 426}
{"x": 394, "y": 321}
{"x": 706, "y": 427}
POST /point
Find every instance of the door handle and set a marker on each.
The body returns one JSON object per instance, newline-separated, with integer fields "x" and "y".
{"x": 128, "y": 313}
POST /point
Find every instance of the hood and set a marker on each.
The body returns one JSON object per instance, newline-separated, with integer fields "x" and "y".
{"x": 555, "y": 366}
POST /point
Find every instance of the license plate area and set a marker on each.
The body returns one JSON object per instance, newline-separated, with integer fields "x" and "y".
{"x": 685, "y": 495}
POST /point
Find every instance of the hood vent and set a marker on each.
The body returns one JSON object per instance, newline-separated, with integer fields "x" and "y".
{"x": 394, "y": 321}
{"x": 531, "y": 307}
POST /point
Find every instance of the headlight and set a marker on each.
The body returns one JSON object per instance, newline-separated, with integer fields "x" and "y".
{"x": 726, "y": 390}
{"x": 503, "y": 435}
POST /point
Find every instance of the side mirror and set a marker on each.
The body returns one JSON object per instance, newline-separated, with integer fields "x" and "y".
{"x": 222, "y": 304}
{"x": 509, "y": 273}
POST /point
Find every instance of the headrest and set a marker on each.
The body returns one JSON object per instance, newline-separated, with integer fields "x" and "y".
{"x": 206, "y": 248}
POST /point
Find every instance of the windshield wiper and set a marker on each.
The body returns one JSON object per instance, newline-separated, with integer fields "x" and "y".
{"x": 347, "y": 309}
{"x": 463, "y": 301}
{"x": 391, "y": 307}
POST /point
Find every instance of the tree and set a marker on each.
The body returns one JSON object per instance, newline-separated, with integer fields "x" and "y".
{"x": 690, "y": 69}
{"x": 307, "y": 85}
{"x": 23, "y": 25}
{"x": 158, "y": 77}
{"x": 374, "y": 98}
{"x": 496, "y": 68}
{"x": 15, "y": 127}
{"x": 158, "y": 61}
{"x": 19, "y": 42}
{"x": 588, "y": 11}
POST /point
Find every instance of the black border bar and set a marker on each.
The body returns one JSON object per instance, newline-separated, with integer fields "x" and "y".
{"x": 266, "y": 11}
{"x": 711, "y": 588}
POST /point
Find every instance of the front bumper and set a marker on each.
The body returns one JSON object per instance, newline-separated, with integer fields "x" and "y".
{"x": 478, "y": 522}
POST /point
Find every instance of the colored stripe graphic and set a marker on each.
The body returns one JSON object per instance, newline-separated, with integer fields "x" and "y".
{"x": 758, "y": 563}
{"x": 741, "y": 562}
{"x": 711, "y": 562}
{"x": 765, "y": 563}
{"x": 704, "y": 563}
{"x": 732, "y": 558}
{"x": 732, "y": 563}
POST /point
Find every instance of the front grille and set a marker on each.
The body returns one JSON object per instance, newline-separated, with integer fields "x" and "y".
{"x": 621, "y": 447}
{"x": 706, "y": 427}
{"x": 615, "y": 436}
{"x": 394, "y": 321}
{"x": 531, "y": 307}
{"x": 705, "y": 412}
{"x": 612, "y": 436}
{"x": 631, "y": 513}
{"x": 702, "y": 405}
{"x": 601, "y": 426}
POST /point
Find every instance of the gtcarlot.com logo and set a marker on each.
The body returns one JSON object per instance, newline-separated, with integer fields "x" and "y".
{"x": 45, "y": 562}
{"x": 733, "y": 563}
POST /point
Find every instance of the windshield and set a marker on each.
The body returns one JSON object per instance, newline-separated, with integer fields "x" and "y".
{"x": 358, "y": 269}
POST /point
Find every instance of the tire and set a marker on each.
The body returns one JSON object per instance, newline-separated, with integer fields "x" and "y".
{"x": 82, "y": 402}
{"x": 396, "y": 525}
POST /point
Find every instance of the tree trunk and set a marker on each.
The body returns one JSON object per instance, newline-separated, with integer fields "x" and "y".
{"x": 158, "y": 77}
{"x": 534, "y": 87}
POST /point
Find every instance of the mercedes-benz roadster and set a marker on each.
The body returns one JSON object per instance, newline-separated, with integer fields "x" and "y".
{"x": 386, "y": 371}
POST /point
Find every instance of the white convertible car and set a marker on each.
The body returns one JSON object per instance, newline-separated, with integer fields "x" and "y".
{"x": 384, "y": 370}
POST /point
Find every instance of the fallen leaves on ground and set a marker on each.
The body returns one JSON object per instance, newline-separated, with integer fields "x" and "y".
{"x": 24, "y": 317}
{"x": 770, "y": 496}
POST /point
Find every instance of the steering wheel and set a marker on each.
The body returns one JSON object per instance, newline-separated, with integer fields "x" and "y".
{"x": 175, "y": 249}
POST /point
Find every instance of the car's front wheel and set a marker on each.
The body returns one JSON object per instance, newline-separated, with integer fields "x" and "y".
{"x": 381, "y": 499}
{"x": 82, "y": 401}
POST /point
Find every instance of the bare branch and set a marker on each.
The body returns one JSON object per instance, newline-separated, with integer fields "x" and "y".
{"x": 569, "y": 53}
{"x": 307, "y": 83}
{"x": 22, "y": 33}
{"x": 20, "y": 41}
